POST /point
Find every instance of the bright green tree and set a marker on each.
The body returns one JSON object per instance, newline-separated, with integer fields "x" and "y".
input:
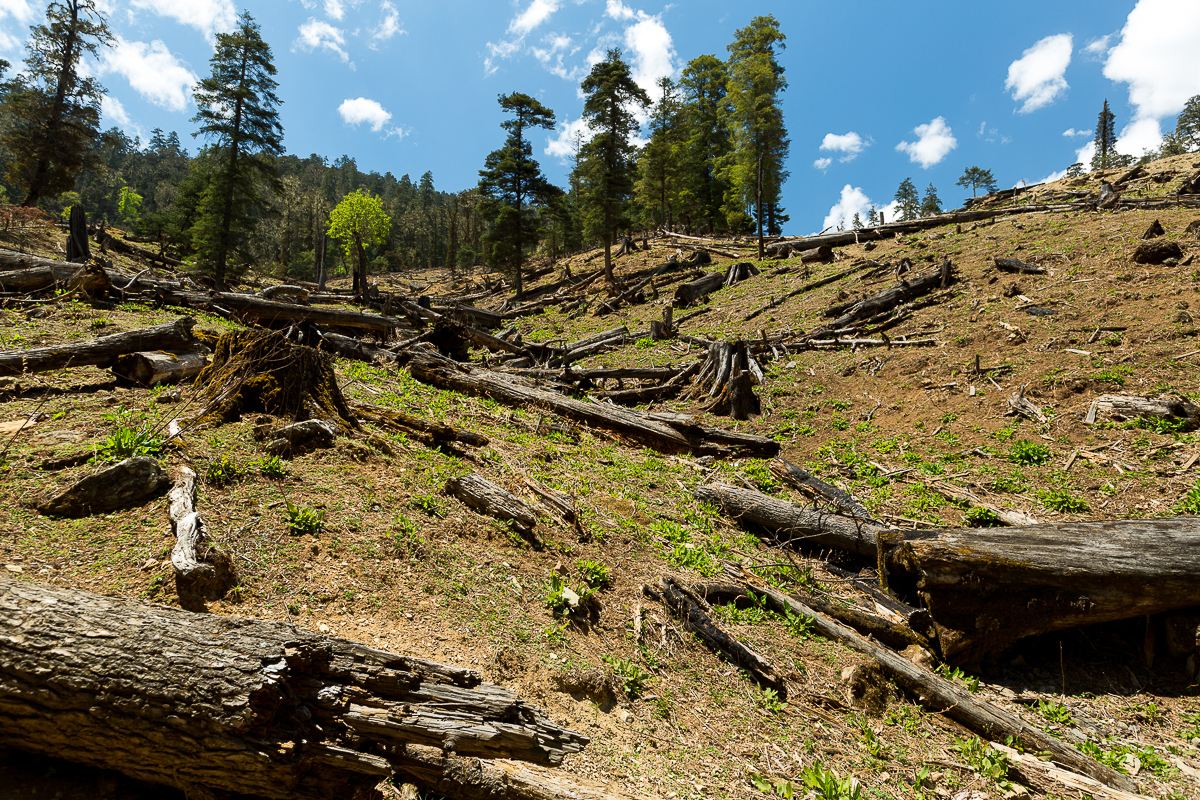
{"x": 51, "y": 111}
{"x": 238, "y": 112}
{"x": 1187, "y": 126}
{"x": 755, "y": 168}
{"x": 512, "y": 180}
{"x": 976, "y": 178}
{"x": 931, "y": 204}
{"x": 359, "y": 222}
{"x": 706, "y": 142}
{"x": 1106, "y": 139}
{"x": 129, "y": 206}
{"x": 908, "y": 202}
{"x": 605, "y": 166}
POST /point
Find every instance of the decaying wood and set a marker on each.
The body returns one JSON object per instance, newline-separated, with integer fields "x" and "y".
{"x": 693, "y": 292}
{"x": 151, "y": 368}
{"x": 728, "y": 375}
{"x": 493, "y": 501}
{"x": 173, "y": 337}
{"x": 665, "y": 433}
{"x": 695, "y": 613}
{"x": 1044, "y": 775}
{"x": 123, "y": 485}
{"x": 286, "y": 292}
{"x": 740, "y": 272}
{"x": 213, "y": 704}
{"x": 199, "y": 575}
{"x": 1157, "y": 251}
{"x": 1021, "y": 406}
{"x": 818, "y": 489}
{"x": 1174, "y": 409}
{"x": 942, "y": 696}
{"x": 888, "y": 299}
{"x": 434, "y": 434}
{"x": 43, "y": 275}
{"x": 298, "y": 438}
{"x": 1016, "y": 265}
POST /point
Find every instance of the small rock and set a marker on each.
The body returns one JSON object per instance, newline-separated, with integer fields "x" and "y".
{"x": 17, "y": 568}
{"x": 323, "y": 628}
{"x": 169, "y": 396}
{"x": 123, "y": 485}
{"x": 624, "y": 716}
{"x": 300, "y": 438}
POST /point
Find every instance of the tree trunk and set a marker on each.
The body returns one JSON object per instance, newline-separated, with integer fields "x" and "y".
{"x": 758, "y": 209}
{"x": 103, "y": 352}
{"x": 205, "y": 703}
{"x": 66, "y": 75}
{"x": 150, "y": 368}
{"x": 43, "y": 275}
{"x": 693, "y": 292}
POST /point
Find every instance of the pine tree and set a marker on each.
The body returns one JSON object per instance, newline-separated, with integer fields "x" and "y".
{"x": 605, "y": 167}
{"x": 1106, "y": 139}
{"x": 658, "y": 165}
{"x": 52, "y": 112}
{"x": 238, "y": 112}
{"x": 908, "y": 202}
{"x": 1187, "y": 126}
{"x": 931, "y": 204}
{"x": 512, "y": 179}
{"x": 706, "y": 142}
{"x": 872, "y": 216}
{"x": 976, "y": 178}
{"x": 857, "y": 222}
{"x": 760, "y": 142}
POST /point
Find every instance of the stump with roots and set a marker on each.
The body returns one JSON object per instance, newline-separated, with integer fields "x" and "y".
{"x": 729, "y": 374}
{"x": 260, "y": 371}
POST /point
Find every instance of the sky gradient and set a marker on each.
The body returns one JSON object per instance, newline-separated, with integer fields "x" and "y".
{"x": 879, "y": 91}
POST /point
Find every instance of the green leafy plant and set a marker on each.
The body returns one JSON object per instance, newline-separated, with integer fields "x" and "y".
{"x": 1028, "y": 453}
{"x": 303, "y": 519}
{"x": 269, "y": 467}
{"x": 769, "y": 700}
{"x": 955, "y": 674}
{"x": 222, "y": 471}
{"x": 980, "y": 517}
{"x": 1190, "y": 503}
{"x": 633, "y": 678}
{"x": 1063, "y": 501}
{"x": 988, "y": 762}
{"x": 1055, "y": 712}
{"x": 428, "y": 504}
{"x": 128, "y": 440}
{"x": 563, "y": 601}
{"x": 801, "y": 626}
{"x": 827, "y": 785}
{"x": 595, "y": 574}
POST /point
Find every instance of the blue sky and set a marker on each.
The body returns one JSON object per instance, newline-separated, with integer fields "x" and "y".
{"x": 879, "y": 90}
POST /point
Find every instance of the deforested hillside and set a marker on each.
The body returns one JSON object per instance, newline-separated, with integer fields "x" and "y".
{"x": 900, "y": 511}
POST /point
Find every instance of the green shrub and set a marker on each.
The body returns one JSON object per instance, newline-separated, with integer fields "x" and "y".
{"x": 1063, "y": 501}
{"x": 1055, "y": 712}
{"x": 303, "y": 519}
{"x": 595, "y": 575}
{"x": 222, "y": 471}
{"x": 128, "y": 441}
{"x": 633, "y": 678}
{"x": 1029, "y": 453}
{"x": 983, "y": 759}
{"x": 269, "y": 467}
{"x": 980, "y": 517}
{"x": 1190, "y": 504}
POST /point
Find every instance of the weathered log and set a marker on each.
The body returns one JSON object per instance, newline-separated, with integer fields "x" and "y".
{"x": 942, "y": 696}
{"x": 200, "y": 574}
{"x": 493, "y": 501}
{"x": 426, "y": 431}
{"x": 1016, "y": 265}
{"x": 205, "y": 703}
{"x": 1190, "y": 185}
{"x": 285, "y": 292}
{"x": 695, "y": 614}
{"x": 151, "y": 368}
{"x": 123, "y": 485}
{"x": 669, "y": 434}
{"x": 888, "y": 299}
{"x": 87, "y": 279}
{"x": 103, "y": 352}
{"x": 693, "y": 292}
{"x": 299, "y": 438}
{"x": 1173, "y": 409}
{"x": 1157, "y": 251}
{"x": 818, "y": 489}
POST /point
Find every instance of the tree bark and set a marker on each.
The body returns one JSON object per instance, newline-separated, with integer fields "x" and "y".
{"x": 693, "y": 292}
{"x": 1173, "y": 409}
{"x": 103, "y": 352}
{"x": 205, "y": 703}
{"x": 485, "y": 497}
{"x": 148, "y": 369}
{"x": 43, "y": 275}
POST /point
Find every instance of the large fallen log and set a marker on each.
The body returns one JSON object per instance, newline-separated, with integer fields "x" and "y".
{"x": 888, "y": 299}
{"x": 211, "y": 704}
{"x": 148, "y": 369}
{"x": 693, "y": 292}
{"x": 481, "y": 495}
{"x": 663, "y": 432}
{"x": 273, "y": 313}
{"x": 988, "y": 588}
{"x": 87, "y": 279}
{"x": 1172, "y": 410}
{"x": 173, "y": 337}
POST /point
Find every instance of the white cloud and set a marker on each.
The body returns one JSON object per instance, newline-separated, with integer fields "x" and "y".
{"x": 334, "y": 9}
{"x": 1098, "y": 47}
{"x": 1039, "y": 75}
{"x": 389, "y": 26}
{"x": 208, "y": 16}
{"x": 537, "y": 12}
{"x": 19, "y": 10}
{"x": 153, "y": 71}
{"x": 1072, "y": 133}
{"x": 1084, "y": 155}
{"x": 317, "y": 34}
{"x": 114, "y": 111}
{"x": 364, "y": 111}
{"x": 653, "y": 53}
{"x": 617, "y": 10}
{"x": 822, "y": 163}
{"x": 567, "y": 135}
{"x": 934, "y": 142}
{"x": 1158, "y": 57}
{"x": 848, "y": 144}
{"x": 553, "y": 56}
{"x": 854, "y": 200}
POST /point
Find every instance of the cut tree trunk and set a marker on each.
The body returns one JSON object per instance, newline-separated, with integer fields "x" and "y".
{"x": 1016, "y": 265}
{"x": 1173, "y": 409}
{"x": 729, "y": 375}
{"x": 211, "y": 704}
{"x": 148, "y": 369}
{"x": 693, "y": 292}
{"x": 200, "y": 572}
{"x": 665, "y": 433}
{"x": 493, "y": 501}
{"x": 87, "y": 279}
{"x": 103, "y": 352}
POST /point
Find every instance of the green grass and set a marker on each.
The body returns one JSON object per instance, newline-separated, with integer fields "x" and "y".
{"x": 303, "y": 519}
{"x": 128, "y": 440}
{"x": 1063, "y": 501}
{"x": 1190, "y": 503}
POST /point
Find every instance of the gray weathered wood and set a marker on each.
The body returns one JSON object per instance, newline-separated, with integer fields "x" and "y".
{"x": 491, "y": 500}
{"x": 1172, "y": 408}
{"x": 123, "y": 485}
{"x": 150, "y": 368}
{"x": 173, "y": 337}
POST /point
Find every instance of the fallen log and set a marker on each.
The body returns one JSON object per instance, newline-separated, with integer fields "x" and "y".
{"x": 693, "y": 292}
{"x": 818, "y": 489}
{"x": 1018, "y": 266}
{"x": 211, "y": 704}
{"x": 665, "y": 433}
{"x": 888, "y": 299}
{"x": 103, "y": 352}
{"x": 646, "y": 394}
{"x": 695, "y": 613}
{"x": 433, "y": 434}
{"x": 200, "y": 574}
{"x": 88, "y": 279}
{"x": 123, "y": 485}
{"x": 942, "y": 696}
{"x": 481, "y": 495}
{"x": 1174, "y": 410}
{"x": 152, "y": 368}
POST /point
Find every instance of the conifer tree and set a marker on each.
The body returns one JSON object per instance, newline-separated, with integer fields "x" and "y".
{"x": 1187, "y": 126}
{"x": 605, "y": 165}
{"x": 908, "y": 202}
{"x": 659, "y": 163}
{"x": 760, "y": 141}
{"x": 1106, "y": 139}
{"x": 512, "y": 179}
{"x": 856, "y": 223}
{"x": 976, "y": 178}
{"x": 706, "y": 141}
{"x": 931, "y": 204}
{"x": 238, "y": 112}
{"x": 52, "y": 112}
{"x": 872, "y": 216}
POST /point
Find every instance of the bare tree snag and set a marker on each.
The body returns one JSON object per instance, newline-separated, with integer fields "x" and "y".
{"x": 1021, "y": 406}
{"x": 123, "y": 485}
{"x": 695, "y": 613}
{"x": 1173, "y": 409}
{"x": 103, "y": 352}
{"x": 200, "y": 574}
{"x": 487, "y": 498}
{"x": 211, "y": 704}
{"x": 940, "y": 695}
{"x": 665, "y": 433}
{"x": 150, "y": 368}
{"x": 660, "y": 331}
{"x": 729, "y": 374}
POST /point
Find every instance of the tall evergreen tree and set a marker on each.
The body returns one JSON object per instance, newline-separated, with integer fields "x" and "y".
{"x": 238, "y": 112}
{"x": 52, "y": 112}
{"x": 605, "y": 167}
{"x": 511, "y": 178}
{"x": 706, "y": 142}
{"x": 908, "y": 202}
{"x": 931, "y": 204}
{"x": 657, "y": 189}
{"x": 1187, "y": 126}
{"x": 1106, "y": 139}
{"x": 760, "y": 140}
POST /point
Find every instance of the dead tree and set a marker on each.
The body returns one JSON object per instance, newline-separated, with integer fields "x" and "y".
{"x": 693, "y": 292}
{"x": 212, "y": 704}
{"x": 157, "y": 367}
{"x": 103, "y": 352}
{"x": 1174, "y": 410}
{"x": 494, "y": 501}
